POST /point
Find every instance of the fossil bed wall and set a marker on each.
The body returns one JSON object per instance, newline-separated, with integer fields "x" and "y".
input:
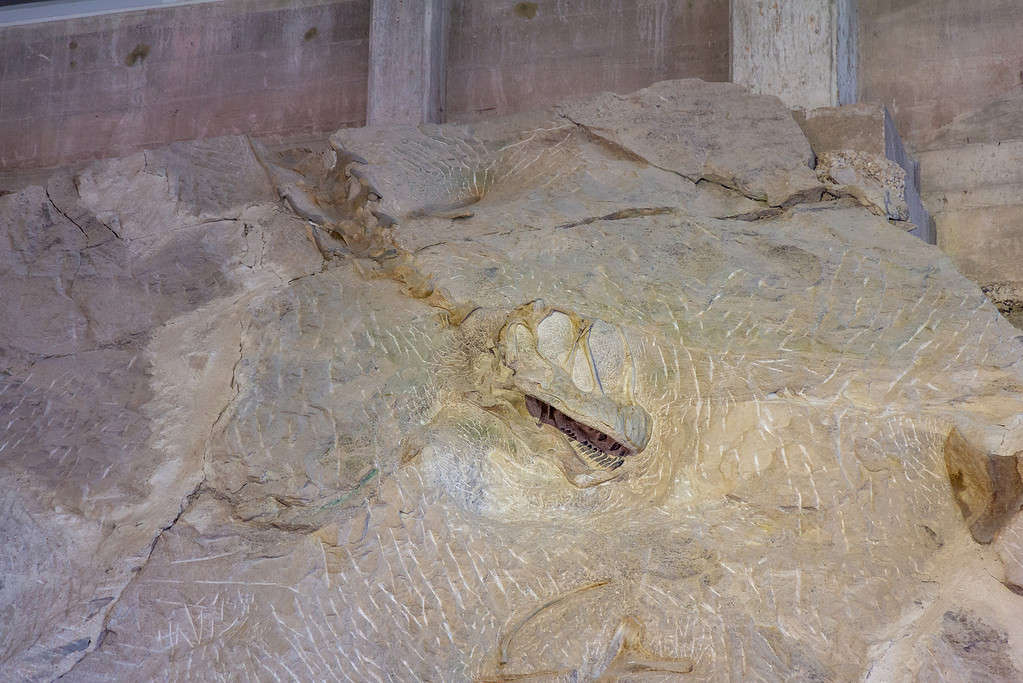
{"x": 272, "y": 412}
{"x": 108, "y": 85}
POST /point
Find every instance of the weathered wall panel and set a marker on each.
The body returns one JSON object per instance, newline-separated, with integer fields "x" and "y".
{"x": 933, "y": 60}
{"x": 507, "y": 56}
{"x": 105, "y": 85}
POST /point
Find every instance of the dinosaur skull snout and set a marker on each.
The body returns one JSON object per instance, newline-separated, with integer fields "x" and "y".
{"x": 578, "y": 376}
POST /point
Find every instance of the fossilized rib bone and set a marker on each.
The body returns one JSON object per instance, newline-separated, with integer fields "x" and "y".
{"x": 578, "y": 376}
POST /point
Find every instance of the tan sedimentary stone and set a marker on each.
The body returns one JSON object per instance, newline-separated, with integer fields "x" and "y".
{"x": 757, "y": 149}
{"x": 117, "y": 280}
{"x": 378, "y": 448}
{"x": 861, "y": 142}
{"x": 1009, "y": 545}
{"x": 873, "y": 181}
{"x": 852, "y": 126}
{"x": 988, "y": 487}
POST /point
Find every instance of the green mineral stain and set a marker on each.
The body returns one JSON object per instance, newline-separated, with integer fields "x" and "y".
{"x": 345, "y": 498}
{"x": 526, "y": 10}
{"x": 137, "y": 55}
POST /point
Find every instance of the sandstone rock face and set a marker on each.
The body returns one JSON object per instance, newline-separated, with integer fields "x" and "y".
{"x": 541, "y": 397}
{"x": 103, "y": 274}
{"x": 711, "y": 131}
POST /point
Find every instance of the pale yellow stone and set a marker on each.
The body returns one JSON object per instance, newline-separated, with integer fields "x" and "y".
{"x": 332, "y": 462}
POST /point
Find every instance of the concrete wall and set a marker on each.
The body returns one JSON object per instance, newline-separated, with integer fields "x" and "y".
{"x": 933, "y": 60}
{"x": 82, "y": 88}
{"x": 105, "y": 85}
{"x": 952, "y": 71}
{"x": 506, "y": 55}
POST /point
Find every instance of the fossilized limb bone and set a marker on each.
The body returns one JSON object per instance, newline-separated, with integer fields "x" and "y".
{"x": 578, "y": 376}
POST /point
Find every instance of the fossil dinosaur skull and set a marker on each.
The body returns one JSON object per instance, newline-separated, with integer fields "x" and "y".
{"x": 577, "y": 375}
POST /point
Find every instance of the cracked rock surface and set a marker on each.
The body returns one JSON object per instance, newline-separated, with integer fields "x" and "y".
{"x": 346, "y": 412}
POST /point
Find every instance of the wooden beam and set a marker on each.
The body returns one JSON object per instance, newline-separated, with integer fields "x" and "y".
{"x": 407, "y": 50}
{"x": 803, "y": 51}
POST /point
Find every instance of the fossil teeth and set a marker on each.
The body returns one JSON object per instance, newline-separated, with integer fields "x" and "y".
{"x": 594, "y": 457}
{"x": 593, "y": 447}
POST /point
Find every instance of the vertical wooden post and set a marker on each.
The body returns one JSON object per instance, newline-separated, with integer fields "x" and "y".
{"x": 407, "y": 50}
{"x": 803, "y": 51}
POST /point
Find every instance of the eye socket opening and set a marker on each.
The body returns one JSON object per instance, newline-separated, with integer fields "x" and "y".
{"x": 578, "y": 431}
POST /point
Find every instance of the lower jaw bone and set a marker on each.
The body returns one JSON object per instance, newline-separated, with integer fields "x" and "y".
{"x": 596, "y": 459}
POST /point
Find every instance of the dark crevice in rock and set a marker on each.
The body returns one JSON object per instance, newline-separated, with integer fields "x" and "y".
{"x": 620, "y": 215}
{"x": 794, "y": 202}
{"x": 633, "y": 212}
{"x": 226, "y": 219}
{"x": 123, "y": 343}
{"x": 626, "y": 153}
{"x": 307, "y": 275}
{"x": 772, "y": 212}
{"x": 61, "y": 212}
{"x": 113, "y": 232}
{"x": 78, "y": 225}
{"x": 434, "y": 244}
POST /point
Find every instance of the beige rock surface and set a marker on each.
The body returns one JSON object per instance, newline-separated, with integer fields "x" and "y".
{"x": 859, "y": 126}
{"x": 369, "y": 432}
{"x": 117, "y": 355}
{"x": 1010, "y": 549}
{"x": 713, "y": 131}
